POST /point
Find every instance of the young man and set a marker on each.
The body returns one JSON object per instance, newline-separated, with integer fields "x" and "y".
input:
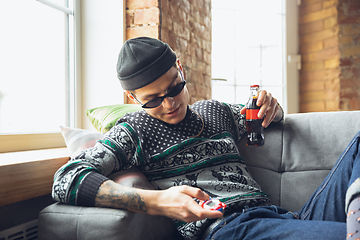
{"x": 189, "y": 152}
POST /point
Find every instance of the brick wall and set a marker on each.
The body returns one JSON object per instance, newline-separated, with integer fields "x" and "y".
{"x": 319, "y": 76}
{"x": 142, "y": 18}
{"x": 330, "y": 48}
{"x": 349, "y": 44}
{"x": 186, "y": 26}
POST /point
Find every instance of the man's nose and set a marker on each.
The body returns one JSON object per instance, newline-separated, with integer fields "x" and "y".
{"x": 168, "y": 102}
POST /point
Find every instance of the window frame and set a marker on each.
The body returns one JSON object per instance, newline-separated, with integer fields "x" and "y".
{"x": 30, "y": 141}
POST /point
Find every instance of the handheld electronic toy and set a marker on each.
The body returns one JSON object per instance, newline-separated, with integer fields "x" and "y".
{"x": 213, "y": 204}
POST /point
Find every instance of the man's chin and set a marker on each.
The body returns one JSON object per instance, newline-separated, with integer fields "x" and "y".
{"x": 175, "y": 117}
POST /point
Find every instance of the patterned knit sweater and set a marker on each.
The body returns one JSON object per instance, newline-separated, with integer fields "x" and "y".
{"x": 169, "y": 156}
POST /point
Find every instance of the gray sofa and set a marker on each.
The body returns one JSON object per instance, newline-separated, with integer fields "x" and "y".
{"x": 296, "y": 157}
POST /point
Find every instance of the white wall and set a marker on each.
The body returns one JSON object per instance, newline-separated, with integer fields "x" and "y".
{"x": 102, "y": 35}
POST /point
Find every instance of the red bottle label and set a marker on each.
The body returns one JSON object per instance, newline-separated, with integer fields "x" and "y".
{"x": 252, "y": 114}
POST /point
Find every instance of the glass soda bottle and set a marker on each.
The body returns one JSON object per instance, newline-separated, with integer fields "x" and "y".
{"x": 255, "y": 135}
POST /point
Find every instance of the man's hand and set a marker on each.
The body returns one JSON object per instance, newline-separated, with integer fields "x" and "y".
{"x": 175, "y": 202}
{"x": 178, "y": 203}
{"x": 269, "y": 110}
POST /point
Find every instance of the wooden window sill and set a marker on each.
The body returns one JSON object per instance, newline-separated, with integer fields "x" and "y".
{"x": 29, "y": 174}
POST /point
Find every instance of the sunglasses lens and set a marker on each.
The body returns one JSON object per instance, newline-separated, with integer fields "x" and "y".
{"x": 153, "y": 103}
{"x": 176, "y": 90}
{"x": 172, "y": 93}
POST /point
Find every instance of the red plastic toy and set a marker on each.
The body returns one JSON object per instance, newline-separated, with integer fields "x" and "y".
{"x": 213, "y": 204}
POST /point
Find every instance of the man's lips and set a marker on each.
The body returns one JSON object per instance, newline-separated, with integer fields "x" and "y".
{"x": 174, "y": 112}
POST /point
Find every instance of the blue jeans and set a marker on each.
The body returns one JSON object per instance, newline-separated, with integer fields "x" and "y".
{"x": 322, "y": 217}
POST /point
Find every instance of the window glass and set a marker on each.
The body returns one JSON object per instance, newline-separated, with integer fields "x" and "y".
{"x": 224, "y": 38}
{"x": 33, "y": 76}
{"x": 248, "y": 36}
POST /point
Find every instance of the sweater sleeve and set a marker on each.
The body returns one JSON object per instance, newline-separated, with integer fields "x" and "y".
{"x": 89, "y": 188}
{"x": 78, "y": 181}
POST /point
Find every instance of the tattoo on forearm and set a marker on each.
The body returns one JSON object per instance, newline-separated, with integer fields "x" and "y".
{"x": 117, "y": 197}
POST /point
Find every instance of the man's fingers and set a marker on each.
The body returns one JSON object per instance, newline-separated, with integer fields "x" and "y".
{"x": 243, "y": 110}
{"x": 195, "y": 193}
{"x": 262, "y": 98}
{"x": 266, "y": 103}
{"x": 180, "y": 204}
{"x": 195, "y": 208}
{"x": 271, "y": 113}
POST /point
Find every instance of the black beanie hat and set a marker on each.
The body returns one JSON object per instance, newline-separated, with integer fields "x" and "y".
{"x": 143, "y": 60}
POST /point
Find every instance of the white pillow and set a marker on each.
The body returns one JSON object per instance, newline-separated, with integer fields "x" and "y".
{"x": 77, "y": 139}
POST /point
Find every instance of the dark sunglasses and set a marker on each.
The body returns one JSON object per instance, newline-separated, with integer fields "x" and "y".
{"x": 158, "y": 100}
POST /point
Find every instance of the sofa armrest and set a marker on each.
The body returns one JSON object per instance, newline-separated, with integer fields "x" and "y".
{"x": 66, "y": 222}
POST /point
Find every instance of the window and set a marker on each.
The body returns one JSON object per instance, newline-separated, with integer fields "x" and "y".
{"x": 250, "y": 47}
{"x": 37, "y": 72}
{"x": 54, "y": 73}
